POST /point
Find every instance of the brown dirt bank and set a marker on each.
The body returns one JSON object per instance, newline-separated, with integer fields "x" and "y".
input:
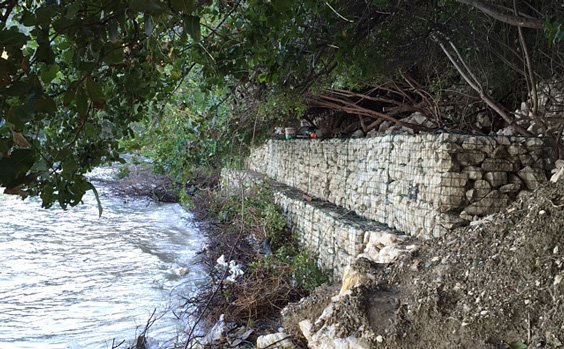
{"x": 139, "y": 180}
{"x": 496, "y": 284}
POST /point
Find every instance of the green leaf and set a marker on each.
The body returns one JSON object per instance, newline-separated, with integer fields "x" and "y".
{"x": 73, "y": 10}
{"x": 113, "y": 31}
{"x": 7, "y": 67}
{"x": 262, "y": 77}
{"x": 41, "y": 165}
{"x": 89, "y": 186}
{"x": 175, "y": 74}
{"x": 62, "y": 24}
{"x": 69, "y": 96}
{"x": 3, "y": 148}
{"x": 47, "y": 196}
{"x": 114, "y": 57}
{"x": 517, "y": 345}
{"x": 62, "y": 154}
{"x": 34, "y": 82}
{"x": 13, "y": 117}
{"x": 17, "y": 88}
{"x": 45, "y": 54}
{"x": 70, "y": 164}
{"x": 68, "y": 56}
{"x": 81, "y": 102}
{"x": 17, "y": 165}
{"x": 19, "y": 115}
{"x": 95, "y": 93}
{"x": 12, "y": 37}
{"x": 192, "y": 26}
{"x": 48, "y": 74}
{"x": 282, "y": 5}
{"x": 184, "y": 6}
{"x": 44, "y": 104}
{"x": 44, "y": 14}
{"x": 150, "y": 6}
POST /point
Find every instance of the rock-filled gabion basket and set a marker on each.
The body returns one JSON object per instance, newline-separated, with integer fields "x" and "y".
{"x": 424, "y": 185}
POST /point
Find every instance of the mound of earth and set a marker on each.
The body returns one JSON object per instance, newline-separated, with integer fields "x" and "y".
{"x": 495, "y": 284}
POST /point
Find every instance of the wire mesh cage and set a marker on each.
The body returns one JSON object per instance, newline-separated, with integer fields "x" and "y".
{"x": 424, "y": 185}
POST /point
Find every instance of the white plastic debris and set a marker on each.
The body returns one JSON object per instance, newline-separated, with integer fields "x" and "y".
{"x": 217, "y": 333}
{"x": 235, "y": 270}
{"x": 221, "y": 261}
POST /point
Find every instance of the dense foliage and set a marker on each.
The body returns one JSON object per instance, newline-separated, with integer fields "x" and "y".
{"x": 74, "y": 75}
{"x": 199, "y": 79}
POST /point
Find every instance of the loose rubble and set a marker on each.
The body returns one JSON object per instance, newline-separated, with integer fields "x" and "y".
{"x": 495, "y": 284}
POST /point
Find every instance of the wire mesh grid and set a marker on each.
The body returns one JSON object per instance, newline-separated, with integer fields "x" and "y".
{"x": 421, "y": 184}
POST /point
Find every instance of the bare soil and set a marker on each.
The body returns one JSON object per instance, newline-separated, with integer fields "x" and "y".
{"x": 496, "y": 284}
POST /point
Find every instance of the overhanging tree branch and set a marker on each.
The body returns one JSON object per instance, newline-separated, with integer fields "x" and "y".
{"x": 468, "y": 76}
{"x": 529, "y": 75}
{"x": 502, "y": 14}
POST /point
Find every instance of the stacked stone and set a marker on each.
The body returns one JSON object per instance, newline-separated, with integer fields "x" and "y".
{"x": 336, "y": 236}
{"x": 424, "y": 185}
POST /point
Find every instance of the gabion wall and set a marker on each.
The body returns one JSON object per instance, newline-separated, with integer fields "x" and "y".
{"x": 333, "y": 234}
{"x": 423, "y": 185}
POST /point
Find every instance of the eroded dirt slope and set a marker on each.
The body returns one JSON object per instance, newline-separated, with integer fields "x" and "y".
{"x": 496, "y": 284}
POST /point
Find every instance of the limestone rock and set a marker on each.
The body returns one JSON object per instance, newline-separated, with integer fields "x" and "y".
{"x": 558, "y": 175}
{"x": 480, "y": 190}
{"x": 357, "y": 134}
{"x": 512, "y": 178}
{"x": 451, "y": 179}
{"x": 510, "y": 188}
{"x": 451, "y": 198}
{"x": 483, "y": 185}
{"x": 384, "y": 247}
{"x": 449, "y": 147}
{"x": 470, "y": 158}
{"x": 278, "y": 340}
{"x": 443, "y": 165}
{"x": 500, "y": 152}
{"x": 450, "y": 221}
{"x": 532, "y": 177}
{"x": 496, "y": 179}
{"x": 326, "y": 338}
{"x": 526, "y": 160}
{"x": 467, "y": 217}
{"x": 500, "y": 165}
{"x": 534, "y": 143}
{"x": 361, "y": 271}
{"x": 516, "y": 149}
{"x": 372, "y": 133}
{"x": 491, "y": 203}
{"x": 473, "y": 172}
{"x": 483, "y": 144}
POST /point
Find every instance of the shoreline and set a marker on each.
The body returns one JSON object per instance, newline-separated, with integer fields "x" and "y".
{"x": 222, "y": 239}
